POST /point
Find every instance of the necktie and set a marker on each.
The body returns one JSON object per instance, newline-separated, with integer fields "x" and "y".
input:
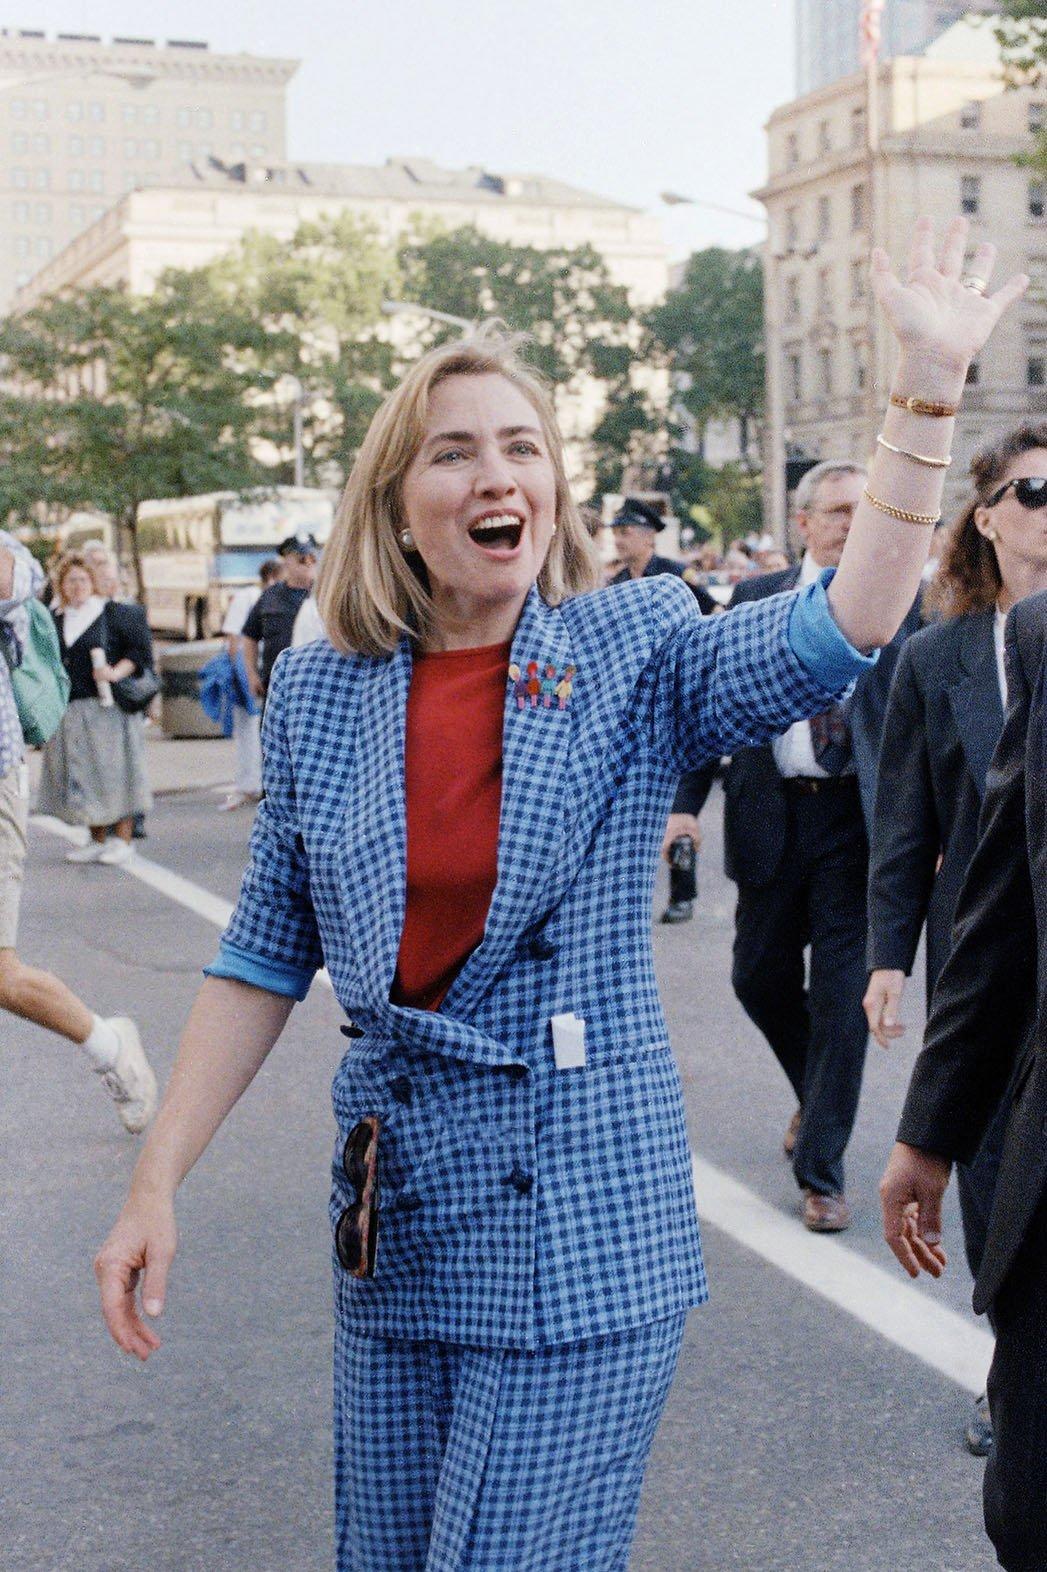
{"x": 831, "y": 740}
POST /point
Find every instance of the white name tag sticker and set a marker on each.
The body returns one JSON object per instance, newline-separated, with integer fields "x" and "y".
{"x": 568, "y": 1041}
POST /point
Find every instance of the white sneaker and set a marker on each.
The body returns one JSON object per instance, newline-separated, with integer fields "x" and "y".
{"x": 115, "y": 851}
{"x": 89, "y": 853}
{"x": 130, "y": 1081}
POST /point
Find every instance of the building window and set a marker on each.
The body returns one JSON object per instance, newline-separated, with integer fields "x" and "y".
{"x": 970, "y": 194}
{"x": 857, "y": 127}
{"x": 20, "y": 212}
{"x": 204, "y": 119}
{"x": 825, "y": 372}
{"x": 150, "y": 114}
{"x": 41, "y": 108}
{"x": 824, "y": 218}
{"x": 43, "y": 246}
{"x": 796, "y": 378}
{"x": 129, "y": 113}
{"x": 151, "y": 148}
{"x": 76, "y": 146}
{"x": 130, "y": 148}
{"x": 859, "y": 368}
{"x": 21, "y": 245}
{"x": 42, "y": 179}
{"x": 184, "y": 117}
{"x": 96, "y": 214}
{"x": 792, "y": 227}
{"x": 858, "y": 219}
{"x": 42, "y": 212}
{"x": 1037, "y": 116}
{"x": 18, "y": 108}
{"x": 974, "y": 374}
{"x": 21, "y": 278}
{"x": 76, "y": 180}
{"x": 96, "y": 180}
{"x": 20, "y": 179}
{"x": 792, "y": 296}
{"x": 19, "y": 142}
{"x": 236, "y": 120}
{"x": 1037, "y": 198}
{"x": 257, "y": 151}
{"x": 792, "y": 150}
{"x": 1037, "y": 371}
{"x": 825, "y": 141}
{"x": 41, "y": 143}
{"x": 858, "y": 283}
{"x": 74, "y": 111}
{"x": 185, "y": 150}
{"x": 76, "y": 214}
{"x": 96, "y": 112}
{"x": 96, "y": 147}
{"x": 825, "y": 288}
{"x": 256, "y": 120}
{"x": 971, "y": 115}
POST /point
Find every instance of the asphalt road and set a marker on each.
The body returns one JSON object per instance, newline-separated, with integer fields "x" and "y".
{"x": 795, "y": 1437}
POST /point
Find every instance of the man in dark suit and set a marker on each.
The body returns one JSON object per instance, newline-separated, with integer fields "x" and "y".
{"x": 990, "y": 993}
{"x": 796, "y": 844}
{"x": 635, "y": 526}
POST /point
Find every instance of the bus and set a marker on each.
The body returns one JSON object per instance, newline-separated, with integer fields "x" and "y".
{"x": 197, "y": 551}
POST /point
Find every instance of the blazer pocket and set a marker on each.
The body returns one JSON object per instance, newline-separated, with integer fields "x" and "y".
{"x": 412, "y": 1128}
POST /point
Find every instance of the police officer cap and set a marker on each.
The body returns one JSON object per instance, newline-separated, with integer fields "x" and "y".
{"x": 632, "y": 511}
{"x": 300, "y": 545}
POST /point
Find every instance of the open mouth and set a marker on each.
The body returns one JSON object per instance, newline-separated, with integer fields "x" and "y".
{"x": 497, "y": 532}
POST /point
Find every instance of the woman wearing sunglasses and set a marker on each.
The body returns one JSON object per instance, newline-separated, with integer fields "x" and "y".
{"x": 942, "y": 725}
{"x": 465, "y": 792}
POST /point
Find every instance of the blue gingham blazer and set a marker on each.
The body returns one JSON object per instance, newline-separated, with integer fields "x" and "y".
{"x": 521, "y": 1205}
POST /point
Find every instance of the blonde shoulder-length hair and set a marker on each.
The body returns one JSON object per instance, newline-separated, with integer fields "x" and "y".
{"x": 369, "y": 593}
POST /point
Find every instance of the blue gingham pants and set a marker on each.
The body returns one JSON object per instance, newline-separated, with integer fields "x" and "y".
{"x": 457, "y": 1459}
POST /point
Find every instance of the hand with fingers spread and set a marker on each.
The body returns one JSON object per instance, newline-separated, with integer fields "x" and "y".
{"x": 137, "y": 1253}
{"x": 911, "y": 1192}
{"x": 943, "y": 312}
{"x": 882, "y": 1003}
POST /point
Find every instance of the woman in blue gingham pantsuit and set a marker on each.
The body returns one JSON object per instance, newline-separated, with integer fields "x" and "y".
{"x": 499, "y": 1377}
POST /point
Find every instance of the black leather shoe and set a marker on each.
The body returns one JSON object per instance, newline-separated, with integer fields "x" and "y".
{"x": 678, "y": 911}
{"x": 978, "y": 1434}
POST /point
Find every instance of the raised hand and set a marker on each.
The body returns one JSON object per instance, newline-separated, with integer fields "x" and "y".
{"x": 943, "y": 312}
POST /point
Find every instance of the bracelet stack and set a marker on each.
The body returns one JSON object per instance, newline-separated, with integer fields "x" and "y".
{"x": 922, "y": 406}
{"x": 918, "y": 458}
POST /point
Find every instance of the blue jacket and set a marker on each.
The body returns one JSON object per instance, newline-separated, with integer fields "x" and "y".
{"x": 224, "y": 687}
{"x": 521, "y": 1205}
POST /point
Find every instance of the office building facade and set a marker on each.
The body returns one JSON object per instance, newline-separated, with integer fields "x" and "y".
{"x": 827, "y": 33}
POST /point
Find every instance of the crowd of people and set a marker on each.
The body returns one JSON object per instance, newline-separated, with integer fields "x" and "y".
{"x": 503, "y": 1021}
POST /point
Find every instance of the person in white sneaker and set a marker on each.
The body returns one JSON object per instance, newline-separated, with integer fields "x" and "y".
{"x": 112, "y": 1046}
{"x": 247, "y": 784}
{"x": 94, "y": 766}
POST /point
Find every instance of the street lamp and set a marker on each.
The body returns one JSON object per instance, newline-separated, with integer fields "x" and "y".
{"x": 397, "y": 308}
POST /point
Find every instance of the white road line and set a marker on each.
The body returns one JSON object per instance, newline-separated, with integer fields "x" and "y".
{"x": 879, "y": 1298}
{"x": 212, "y": 908}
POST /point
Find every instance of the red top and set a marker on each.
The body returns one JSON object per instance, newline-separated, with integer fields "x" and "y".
{"x": 455, "y": 712}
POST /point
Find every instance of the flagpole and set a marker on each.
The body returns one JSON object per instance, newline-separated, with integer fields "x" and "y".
{"x": 871, "y": 35}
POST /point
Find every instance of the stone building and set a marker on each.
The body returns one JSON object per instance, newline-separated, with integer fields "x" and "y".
{"x": 82, "y": 122}
{"x": 949, "y": 140}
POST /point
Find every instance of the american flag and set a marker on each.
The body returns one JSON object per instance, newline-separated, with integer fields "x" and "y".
{"x": 869, "y": 31}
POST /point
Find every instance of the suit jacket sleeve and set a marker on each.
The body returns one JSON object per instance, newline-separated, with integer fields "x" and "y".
{"x": 131, "y": 637}
{"x": 272, "y": 939}
{"x": 906, "y": 838}
{"x": 985, "y": 995}
{"x": 692, "y": 790}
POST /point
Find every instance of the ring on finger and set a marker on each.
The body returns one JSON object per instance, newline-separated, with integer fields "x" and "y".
{"x": 973, "y": 282}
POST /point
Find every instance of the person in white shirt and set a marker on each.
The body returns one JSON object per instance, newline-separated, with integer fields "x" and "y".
{"x": 247, "y": 782}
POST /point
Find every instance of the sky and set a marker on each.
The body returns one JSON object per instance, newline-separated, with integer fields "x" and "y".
{"x": 622, "y": 98}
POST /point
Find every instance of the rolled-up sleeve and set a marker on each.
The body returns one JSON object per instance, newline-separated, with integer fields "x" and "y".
{"x": 272, "y": 940}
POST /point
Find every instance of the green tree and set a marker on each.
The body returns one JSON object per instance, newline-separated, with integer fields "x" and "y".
{"x": 110, "y": 398}
{"x": 314, "y": 303}
{"x": 1021, "y": 31}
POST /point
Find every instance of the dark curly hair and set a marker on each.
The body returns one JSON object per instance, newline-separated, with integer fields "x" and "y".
{"x": 968, "y": 578}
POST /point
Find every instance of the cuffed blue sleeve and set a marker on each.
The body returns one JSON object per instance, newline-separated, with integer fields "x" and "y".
{"x": 817, "y": 642}
{"x": 290, "y": 981}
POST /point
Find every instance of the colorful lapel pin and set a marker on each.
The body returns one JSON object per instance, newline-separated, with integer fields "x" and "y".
{"x": 541, "y": 685}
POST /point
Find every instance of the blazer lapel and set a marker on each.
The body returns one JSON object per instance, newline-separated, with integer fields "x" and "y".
{"x": 975, "y": 699}
{"x": 536, "y": 738}
{"x": 374, "y": 865}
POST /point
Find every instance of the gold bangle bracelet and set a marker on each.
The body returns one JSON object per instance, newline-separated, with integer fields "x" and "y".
{"x": 930, "y": 519}
{"x": 921, "y": 406}
{"x": 918, "y": 458}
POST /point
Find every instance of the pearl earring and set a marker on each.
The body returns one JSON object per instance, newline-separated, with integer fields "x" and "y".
{"x": 407, "y": 540}
{"x": 990, "y": 534}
